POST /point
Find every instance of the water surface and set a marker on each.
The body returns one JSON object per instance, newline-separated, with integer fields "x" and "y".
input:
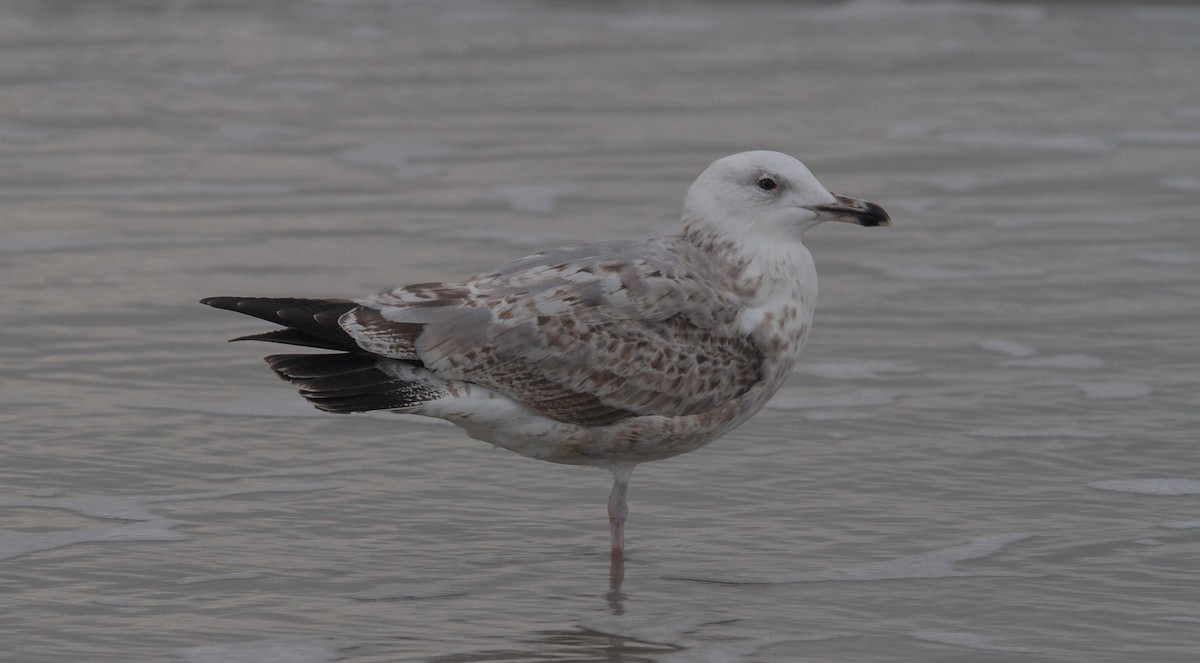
{"x": 988, "y": 452}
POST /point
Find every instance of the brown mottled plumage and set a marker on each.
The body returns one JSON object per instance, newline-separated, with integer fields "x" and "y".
{"x": 609, "y": 353}
{"x": 585, "y": 335}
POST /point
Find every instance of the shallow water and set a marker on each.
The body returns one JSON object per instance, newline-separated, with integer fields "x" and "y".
{"x": 988, "y": 452}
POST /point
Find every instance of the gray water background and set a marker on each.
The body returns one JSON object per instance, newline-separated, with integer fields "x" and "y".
{"x": 988, "y": 452}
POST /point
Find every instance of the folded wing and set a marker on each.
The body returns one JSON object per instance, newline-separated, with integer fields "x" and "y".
{"x": 587, "y": 335}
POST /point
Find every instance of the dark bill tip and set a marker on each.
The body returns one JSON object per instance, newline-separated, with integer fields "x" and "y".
{"x": 852, "y": 210}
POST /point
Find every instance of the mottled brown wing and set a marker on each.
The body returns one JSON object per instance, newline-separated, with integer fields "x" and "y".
{"x": 587, "y": 335}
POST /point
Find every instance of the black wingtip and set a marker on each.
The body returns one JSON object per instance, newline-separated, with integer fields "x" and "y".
{"x": 310, "y": 322}
{"x": 227, "y": 303}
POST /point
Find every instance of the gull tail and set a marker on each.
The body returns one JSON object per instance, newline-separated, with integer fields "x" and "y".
{"x": 351, "y": 380}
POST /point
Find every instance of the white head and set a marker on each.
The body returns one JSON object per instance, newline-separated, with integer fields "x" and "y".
{"x": 767, "y": 195}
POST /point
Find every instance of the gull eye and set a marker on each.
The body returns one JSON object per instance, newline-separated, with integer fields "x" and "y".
{"x": 768, "y": 183}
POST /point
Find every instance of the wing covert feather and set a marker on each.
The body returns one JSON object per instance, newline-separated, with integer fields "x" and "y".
{"x": 589, "y": 334}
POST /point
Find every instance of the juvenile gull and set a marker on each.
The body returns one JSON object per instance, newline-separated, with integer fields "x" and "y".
{"x": 606, "y": 354}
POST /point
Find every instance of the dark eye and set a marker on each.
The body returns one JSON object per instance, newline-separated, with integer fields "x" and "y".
{"x": 767, "y": 183}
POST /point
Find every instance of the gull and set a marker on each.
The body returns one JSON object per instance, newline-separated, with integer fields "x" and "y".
{"x": 605, "y": 354}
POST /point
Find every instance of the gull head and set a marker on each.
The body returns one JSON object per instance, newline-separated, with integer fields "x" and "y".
{"x": 769, "y": 195}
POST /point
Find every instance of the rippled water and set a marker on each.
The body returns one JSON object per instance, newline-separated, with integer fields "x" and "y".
{"x": 989, "y": 451}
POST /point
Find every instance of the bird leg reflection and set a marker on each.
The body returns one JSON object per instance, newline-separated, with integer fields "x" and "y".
{"x": 616, "y": 576}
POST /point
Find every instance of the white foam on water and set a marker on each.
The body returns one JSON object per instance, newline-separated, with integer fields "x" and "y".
{"x": 1182, "y": 524}
{"x": 252, "y": 131}
{"x": 490, "y": 234}
{"x": 1007, "y": 347}
{"x": 534, "y": 198}
{"x": 504, "y": 558}
{"x": 17, "y": 399}
{"x": 10, "y": 133}
{"x": 729, "y": 652}
{"x": 131, "y": 507}
{"x": 297, "y": 487}
{"x": 1071, "y": 143}
{"x": 308, "y": 470}
{"x": 1111, "y": 390}
{"x": 1181, "y": 183}
{"x": 859, "y": 10}
{"x": 1167, "y": 487}
{"x": 116, "y": 601}
{"x": 967, "y": 640}
{"x": 862, "y": 370}
{"x": 397, "y": 591}
{"x": 200, "y": 78}
{"x": 1179, "y": 137}
{"x": 1073, "y": 362}
{"x": 300, "y": 650}
{"x": 148, "y": 526}
{"x": 1171, "y": 257}
{"x": 934, "y": 564}
{"x": 914, "y": 206}
{"x": 1010, "y": 221}
{"x": 660, "y": 22}
{"x": 155, "y": 191}
{"x": 15, "y": 543}
{"x": 220, "y": 577}
{"x": 659, "y": 629}
{"x": 56, "y": 243}
{"x": 402, "y": 158}
{"x": 949, "y": 183}
{"x": 836, "y": 415}
{"x": 792, "y": 399}
{"x": 286, "y": 405}
{"x": 1036, "y": 432}
{"x": 289, "y": 406}
{"x": 297, "y": 85}
{"x": 910, "y": 129}
{"x": 112, "y": 507}
{"x": 1148, "y": 542}
{"x": 936, "y": 273}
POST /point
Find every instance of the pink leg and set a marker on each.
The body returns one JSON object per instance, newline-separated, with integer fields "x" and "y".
{"x": 618, "y": 510}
